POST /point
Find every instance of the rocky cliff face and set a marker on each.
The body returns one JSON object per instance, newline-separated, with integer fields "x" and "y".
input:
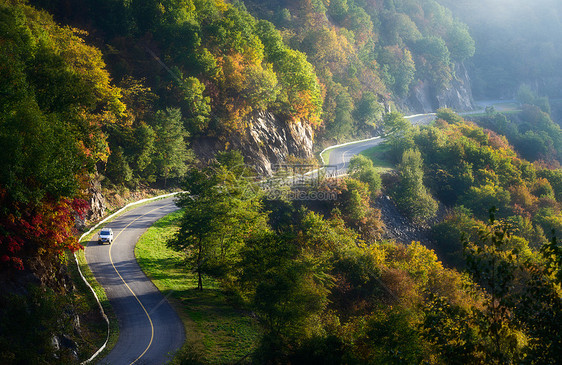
{"x": 458, "y": 96}
{"x": 97, "y": 201}
{"x": 266, "y": 142}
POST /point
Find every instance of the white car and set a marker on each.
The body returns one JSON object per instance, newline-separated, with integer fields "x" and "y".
{"x": 106, "y": 235}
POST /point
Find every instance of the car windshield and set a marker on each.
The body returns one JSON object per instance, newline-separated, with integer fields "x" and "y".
{"x": 105, "y": 231}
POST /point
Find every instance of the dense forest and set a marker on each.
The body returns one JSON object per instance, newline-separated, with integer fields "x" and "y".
{"x": 118, "y": 93}
{"x": 368, "y": 54}
{"x": 330, "y": 286}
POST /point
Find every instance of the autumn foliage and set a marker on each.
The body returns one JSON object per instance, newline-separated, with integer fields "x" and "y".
{"x": 58, "y": 99}
{"x": 46, "y": 231}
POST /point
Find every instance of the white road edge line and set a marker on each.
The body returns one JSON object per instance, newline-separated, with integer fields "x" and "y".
{"x": 361, "y": 140}
{"x": 86, "y": 281}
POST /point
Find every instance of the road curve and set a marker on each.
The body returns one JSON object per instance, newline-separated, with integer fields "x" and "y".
{"x": 340, "y": 156}
{"x": 149, "y": 329}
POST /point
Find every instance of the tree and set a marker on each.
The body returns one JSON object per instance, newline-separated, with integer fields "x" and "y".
{"x": 450, "y": 234}
{"x": 368, "y": 111}
{"x": 492, "y": 263}
{"x": 338, "y": 9}
{"x": 144, "y": 151}
{"x": 391, "y": 338}
{"x": 170, "y": 146}
{"x": 478, "y": 198}
{"x": 56, "y": 97}
{"x": 411, "y": 195}
{"x": 451, "y": 330}
{"x": 398, "y": 69}
{"x": 300, "y": 91}
{"x": 362, "y": 169}
{"x": 554, "y": 177}
{"x": 459, "y": 42}
{"x": 284, "y": 288}
{"x": 448, "y": 115}
{"x": 433, "y": 61}
{"x": 394, "y": 123}
{"x": 197, "y": 108}
{"x": 285, "y": 277}
{"x": 117, "y": 168}
{"x": 343, "y": 124}
{"x": 221, "y": 209}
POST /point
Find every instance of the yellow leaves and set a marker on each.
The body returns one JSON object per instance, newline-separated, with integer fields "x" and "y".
{"x": 94, "y": 143}
{"x": 87, "y": 62}
{"x": 233, "y": 67}
{"x": 330, "y": 48}
{"x": 421, "y": 257}
{"x": 522, "y": 197}
{"x": 246, "y": 86}
{"x": 221, "y": 5}
{"x": 235, "y": 120}
{"x": 378, "y": 254}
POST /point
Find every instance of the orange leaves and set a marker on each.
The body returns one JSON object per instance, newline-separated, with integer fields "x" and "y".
{"x": 497, "y": 141}
{"x": 245, "y": 86}
{"x": 303, "y": 108}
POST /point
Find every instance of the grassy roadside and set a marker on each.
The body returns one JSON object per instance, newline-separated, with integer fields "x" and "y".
{"x": 377, "y": 155}
{"x": 217, "y": 333}
{"x": 326, "y": 156}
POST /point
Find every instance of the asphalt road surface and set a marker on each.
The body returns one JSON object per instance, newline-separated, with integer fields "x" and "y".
{"x": 340, "y": 156}
{"x": 149, "y": 329}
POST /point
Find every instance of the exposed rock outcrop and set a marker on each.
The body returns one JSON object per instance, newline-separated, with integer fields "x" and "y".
{"x": 458, "y": 96}
{"x": 423, "y": 97}
{"x": 266, "y": 142}
{"x": 97, "y": 201}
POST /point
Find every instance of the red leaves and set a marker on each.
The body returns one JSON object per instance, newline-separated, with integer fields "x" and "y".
{"x": 45, "y": 230}
{"x": 80, "y": 207}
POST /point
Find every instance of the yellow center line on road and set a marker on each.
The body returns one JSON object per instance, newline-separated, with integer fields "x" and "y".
{"x": 131, "y": 290}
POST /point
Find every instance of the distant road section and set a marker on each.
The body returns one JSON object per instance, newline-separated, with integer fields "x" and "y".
{"x": 149, "y": 329}
{"x": 340, "y": 156}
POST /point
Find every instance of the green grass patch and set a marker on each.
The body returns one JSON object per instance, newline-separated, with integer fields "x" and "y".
{"x": 217, "y": 332}
{"x": 377, "y": 154}
{"x": 326, "y": 156}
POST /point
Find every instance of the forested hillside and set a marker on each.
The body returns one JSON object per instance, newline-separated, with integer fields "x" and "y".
{"x": 329, "y": 286}
{"x": 56, "y": 100}
{"x": 106, "y": 96}
{"x": 369, "y": 55}
{"x": 179, "y": 71}
{"x": 222, "y": 63}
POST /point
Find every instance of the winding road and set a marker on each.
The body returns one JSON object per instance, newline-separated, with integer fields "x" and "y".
{"x": 149, "y": 329}
{"x": 340, "y": 155}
